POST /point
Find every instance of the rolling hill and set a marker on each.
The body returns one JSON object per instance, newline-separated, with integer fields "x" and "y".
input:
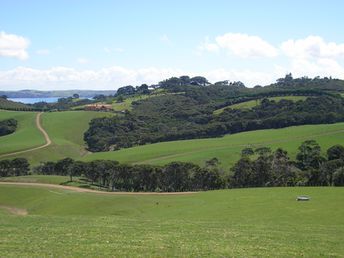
{"x": 228, "y": 148}
{"x": 64, "y": 128}
{"x": 66, "y": 132}
{"x": 12, "y": 105}
{"x": 25, "y": 137}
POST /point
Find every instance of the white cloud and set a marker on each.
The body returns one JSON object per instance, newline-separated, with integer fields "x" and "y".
{"x": 249, "y": 77}
{"x": 323, "y": 67}
{"x": 43, "y": 52}
{"x": 82, "y": 60}
{"x": 114, "y": 77}
{"x": 312, "y": 47}
{"x": 70, "y": 78}
{"x": 207, "y": 46}
{"x": 13, "y": 46}
{"x": 241, "y": 45}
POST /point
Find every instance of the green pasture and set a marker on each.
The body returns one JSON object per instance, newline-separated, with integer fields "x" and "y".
{"x": 266, "y": 222}
{"x": 228, "y": 148}
{"x": 25, "y": 137}
{"x": 66, "y": 130}
{"x": 126, "y": 104}
{"x": 252, "y": 103}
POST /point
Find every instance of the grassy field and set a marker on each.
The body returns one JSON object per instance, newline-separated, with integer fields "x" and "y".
{"x": 227, "y": 148}
{"x": 253, "y": 103}
{"x": 266, "y": 222}
{"x": 66, "y": 130}
{"x": 126, "y": 104}
{"x": 25, "y": 137}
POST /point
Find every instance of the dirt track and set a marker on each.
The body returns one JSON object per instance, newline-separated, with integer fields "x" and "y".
{"x": 84, "y": 190}
{"x": 14, "y": 210}
{"x": 41, "y": 129}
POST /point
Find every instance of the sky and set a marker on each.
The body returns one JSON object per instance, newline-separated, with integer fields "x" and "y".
{"x": 103, "y": 44}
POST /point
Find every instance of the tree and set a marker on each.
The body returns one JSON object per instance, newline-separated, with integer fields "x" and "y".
{"x": 5, "y": 168}
{"x": 247, "y": 152}
{"x": 263, "y": 151}
{"x": 76, "y": 169}
{"x": 126, "y": 90}
{"x": 19, "y": 167}
{"x": 309, "y": 155}
{"x": 76, "y": 96}
{"x": 335, "y": 152}
{"x": 338, "y": 177}
{"x": 143, "y": 89}
{"x": 62, "y": 166}
{"x": 328, "y": 168}
{"x": 199, "y": 80}
{"x": 3, "y": 97}
{"x": 175, "y": 176}
{"x": 242, "y": 173}
{"x": 212, "y": 162}
{"x": 185, "y": 80}
{"x": 282, "y": 169}
{"x": 262, "y": 168}
{"x": 120, "y": 99}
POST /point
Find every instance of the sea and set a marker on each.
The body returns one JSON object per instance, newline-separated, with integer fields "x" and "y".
{"x": 34, "y": 100}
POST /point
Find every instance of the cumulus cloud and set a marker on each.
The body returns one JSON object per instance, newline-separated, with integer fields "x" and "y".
{"x": 13, "y": 46}
{"x": 313, "y": 56}
{"x": 241, "y": 45}
{"x": 114, "y": 77}
{"x": 249, "y": 77}
{"x": 70, "y": 78}
{"x": 312, "y": 47}
{"x": 208, "y": 46}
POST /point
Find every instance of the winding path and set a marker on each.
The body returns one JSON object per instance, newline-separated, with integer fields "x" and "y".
{"x": 85, "y": 190}
{"x": 41, "y": 129}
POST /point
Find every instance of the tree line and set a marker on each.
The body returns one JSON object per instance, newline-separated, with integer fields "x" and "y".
{"x": 173, "y": 177}
{"x": 8, "y": 126}
{"x": 14, "y": 167}
{"x": 260, "y": 167}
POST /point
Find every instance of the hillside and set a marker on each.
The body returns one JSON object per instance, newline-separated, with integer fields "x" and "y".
{"x": 25, "y": 137}
{"x": 228, "y": 148}
{"x": 12, "y": 105}
{"x": 240, "y": 223}
{"x": 64, "y": 128}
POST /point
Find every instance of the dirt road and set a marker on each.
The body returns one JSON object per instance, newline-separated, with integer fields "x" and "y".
{"x": 41, "y": 129}
{"x": 85, "y": 190}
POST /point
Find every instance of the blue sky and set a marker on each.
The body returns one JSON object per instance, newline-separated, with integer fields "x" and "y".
{"x": 107, "y": 44}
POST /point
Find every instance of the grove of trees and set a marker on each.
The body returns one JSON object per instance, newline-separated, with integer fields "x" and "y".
{"x": 260, "y": 167}
{"x": 14, "y": 167}
{"x": 8, "y": 126}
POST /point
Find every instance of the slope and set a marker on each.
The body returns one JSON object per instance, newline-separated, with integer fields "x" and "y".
{"x": 227, "y": 149}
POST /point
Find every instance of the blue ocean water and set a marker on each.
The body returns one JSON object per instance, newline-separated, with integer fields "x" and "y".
{"x": 34, "y": 100}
